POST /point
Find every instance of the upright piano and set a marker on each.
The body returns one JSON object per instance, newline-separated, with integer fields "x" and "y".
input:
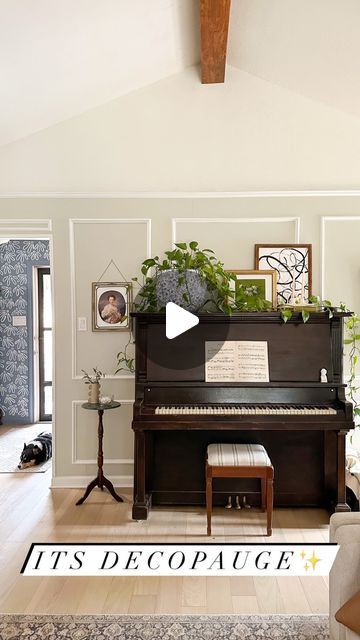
{"x": 301, "y": 421}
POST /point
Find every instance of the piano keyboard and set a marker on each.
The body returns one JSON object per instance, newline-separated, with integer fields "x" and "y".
{"x": 243, "y": 410}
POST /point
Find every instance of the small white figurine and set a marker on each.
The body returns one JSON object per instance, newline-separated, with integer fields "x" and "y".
{"x": 228, "y": 505}
{"x": 323, "y": 375}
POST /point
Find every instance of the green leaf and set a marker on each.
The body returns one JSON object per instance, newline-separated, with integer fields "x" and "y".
{"x": 286, "y": 314}
{"x": 193, "y": 245}
{"x": 348, "y": 341}
{"x": 182, "y": 245}
{"x": 149, "y": 262}
{"x": 305, "y": 315}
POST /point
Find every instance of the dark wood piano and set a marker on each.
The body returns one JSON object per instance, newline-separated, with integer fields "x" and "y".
{"x": 301, "y": 421}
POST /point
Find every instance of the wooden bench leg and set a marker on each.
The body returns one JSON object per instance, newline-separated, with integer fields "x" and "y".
{"x": 269, "y": 504}
{"x": 208, "y": 503}
{"x": 263, "y": 494}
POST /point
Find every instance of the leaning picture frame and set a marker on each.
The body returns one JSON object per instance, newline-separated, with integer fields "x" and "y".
{"x": 263, "y": 280}
{"x": 293, "y": 265}
{"x": 111, "y": 306}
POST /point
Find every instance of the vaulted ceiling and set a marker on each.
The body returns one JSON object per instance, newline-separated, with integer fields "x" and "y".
{"x": 61, "y": 58}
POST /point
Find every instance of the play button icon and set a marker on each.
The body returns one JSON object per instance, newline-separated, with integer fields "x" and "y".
{"x": 178, "y": 320}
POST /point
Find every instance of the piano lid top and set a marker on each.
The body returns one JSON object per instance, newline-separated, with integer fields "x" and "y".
{"x": 254, "y": 316}
{"x": 297, "y": 351}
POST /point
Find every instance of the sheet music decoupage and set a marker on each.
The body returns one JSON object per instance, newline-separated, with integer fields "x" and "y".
{"x": 237, "y": 361}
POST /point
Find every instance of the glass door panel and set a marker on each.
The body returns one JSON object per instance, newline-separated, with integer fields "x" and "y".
{"x": 45, "y": 344}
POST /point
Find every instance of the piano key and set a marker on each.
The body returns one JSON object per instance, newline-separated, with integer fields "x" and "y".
{"x": 245, "y": 410}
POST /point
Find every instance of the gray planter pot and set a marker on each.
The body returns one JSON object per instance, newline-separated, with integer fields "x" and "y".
{"x": 169, "y": 290}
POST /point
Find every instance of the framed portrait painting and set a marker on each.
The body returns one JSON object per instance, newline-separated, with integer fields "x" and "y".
{"x": 111, "y": 303}
{"x": 257, "y": 283}
{"x": 293, "y": 265}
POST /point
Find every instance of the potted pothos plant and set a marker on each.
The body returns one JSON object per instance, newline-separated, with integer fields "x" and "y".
{"x": 188, "y": 276}
{"x": 193, "y": 278}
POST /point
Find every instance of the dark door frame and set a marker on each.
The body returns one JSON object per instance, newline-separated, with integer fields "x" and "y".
{"x": 41, "y": 271}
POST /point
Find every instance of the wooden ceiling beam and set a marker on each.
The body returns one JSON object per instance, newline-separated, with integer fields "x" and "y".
{"x": 214, "y": 25}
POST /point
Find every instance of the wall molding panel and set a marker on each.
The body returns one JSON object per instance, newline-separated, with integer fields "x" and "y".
{"x": 25, "y": 226}
{"x": 325, "y": 220}
{"x": 73, "y": 222}
{"x": 253, "y": 220}
{"x": 74, "y": 426}
{"x": 316, "y": 193}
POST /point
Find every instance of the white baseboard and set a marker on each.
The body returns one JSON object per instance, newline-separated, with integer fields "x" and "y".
{"x": 81, "y": 482}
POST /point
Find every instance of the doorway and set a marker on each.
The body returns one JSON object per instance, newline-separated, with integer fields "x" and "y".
{"x": 26, "y": 328}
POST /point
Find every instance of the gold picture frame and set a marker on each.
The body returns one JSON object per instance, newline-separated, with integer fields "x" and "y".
{"x": 111, "y": 306}
{"x": 266, "y": 278}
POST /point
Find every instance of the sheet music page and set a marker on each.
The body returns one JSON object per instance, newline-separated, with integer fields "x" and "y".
{"x": 237, "y": 361}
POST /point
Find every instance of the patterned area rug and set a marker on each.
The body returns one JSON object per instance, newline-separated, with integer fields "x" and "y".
{"x": 11, "y": 446}
{"x": 246, "y": 627}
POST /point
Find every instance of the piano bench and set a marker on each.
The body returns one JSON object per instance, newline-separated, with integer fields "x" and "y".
{"x": 240, "y": 461}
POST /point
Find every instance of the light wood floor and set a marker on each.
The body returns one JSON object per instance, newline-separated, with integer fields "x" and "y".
{"x": 31, "y": 512}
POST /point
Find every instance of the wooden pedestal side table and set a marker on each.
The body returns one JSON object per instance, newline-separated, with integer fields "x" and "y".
{"x": 100, "y": 480}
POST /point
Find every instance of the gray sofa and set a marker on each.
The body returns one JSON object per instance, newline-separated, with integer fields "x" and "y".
{"x": 345, "y": 573}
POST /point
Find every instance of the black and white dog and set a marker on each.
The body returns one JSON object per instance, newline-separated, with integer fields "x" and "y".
{"x": 37, "y": 451}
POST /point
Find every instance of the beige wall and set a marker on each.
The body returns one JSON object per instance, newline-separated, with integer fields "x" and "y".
{"x": 88, "y": 232}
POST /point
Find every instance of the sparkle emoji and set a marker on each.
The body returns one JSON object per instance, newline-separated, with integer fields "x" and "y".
{"x": 313, "y": 560}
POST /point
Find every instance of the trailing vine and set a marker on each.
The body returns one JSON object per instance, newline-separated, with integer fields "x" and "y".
{"x": 315, "y": 304}
{"x": 126, "y": 360}
{"x": 352, "y": 340}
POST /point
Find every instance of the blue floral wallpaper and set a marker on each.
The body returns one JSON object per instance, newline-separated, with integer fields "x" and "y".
{"x": 17, "y": 258}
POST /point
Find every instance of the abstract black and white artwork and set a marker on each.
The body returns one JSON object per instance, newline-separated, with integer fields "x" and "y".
{"x": 292, "y": 263}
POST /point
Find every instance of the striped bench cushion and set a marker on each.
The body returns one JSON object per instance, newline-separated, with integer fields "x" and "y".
{"x": 237, "y": 455}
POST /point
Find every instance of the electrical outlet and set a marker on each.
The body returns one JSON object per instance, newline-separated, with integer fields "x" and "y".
{"x": 82, "y": 324}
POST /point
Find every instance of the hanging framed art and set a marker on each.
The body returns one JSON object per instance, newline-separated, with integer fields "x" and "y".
{"x": 293, "y": 265}
{"x": 111, "y": 304}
